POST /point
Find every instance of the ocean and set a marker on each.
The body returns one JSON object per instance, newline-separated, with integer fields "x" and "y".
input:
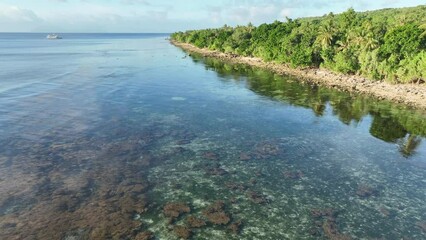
{"x": 125, "y": 136}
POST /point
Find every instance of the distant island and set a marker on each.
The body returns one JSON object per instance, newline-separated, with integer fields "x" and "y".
{"x": 367, "y": 52}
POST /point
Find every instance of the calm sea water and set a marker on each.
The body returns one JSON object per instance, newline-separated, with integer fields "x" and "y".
{"x": 123, "y": 136}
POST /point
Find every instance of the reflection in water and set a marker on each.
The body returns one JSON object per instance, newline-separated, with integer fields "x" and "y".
{"x": 390, "y": 123}
{"x": 408, "y": 145}
{"x": 387, "y": 129}
{"x": 122, "y": 147}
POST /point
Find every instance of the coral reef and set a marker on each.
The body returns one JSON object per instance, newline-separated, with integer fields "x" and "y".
{"x": 295, "y": 175}
{"x": 236, "y": 186}
{"x": 215, "y": 213}
{"x": 328, "y": 225}
{"x": 147, "y": 235}
{"x": 325, "y": 212}
{"x": 211, "y": 155}
{"x": 266, "y": 149}
{"x": 175, "y": 210}
{"x": 195, "y": 222}
{"x": 331, "y": 232}
{"x": 182, "y": 231}
{"x": 365, "y": 191}
{"x": 385, "y": 212}
{"x": 257, "y": 198}
{"x": 216, "y": 170}
{"x": 244, "y": 156}
{"x": 253, "y": 181}
{"x": 235, "y": 227}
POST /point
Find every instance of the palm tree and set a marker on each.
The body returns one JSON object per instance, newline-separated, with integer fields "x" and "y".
{"x": 370, "y": 43}
{"x": 365, "y": 37}
{"x": 326, "y": 34}
{"x": 250, "y": 27}
{"x": 423, "y": 27}
{"x": 402, "y": 20}
{"x": 409, "y": 145}
{"x": 343, "y": 44}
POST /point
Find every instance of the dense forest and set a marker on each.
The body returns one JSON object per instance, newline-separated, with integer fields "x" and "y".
{"x": 388, "y": 44}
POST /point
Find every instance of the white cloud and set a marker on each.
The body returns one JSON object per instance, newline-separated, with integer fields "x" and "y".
{"x": 17, "y": 14}
{"x": 245, "y": 14}
{"x": 285, "y": 12}
{"x": 248, "y": 11}
{"x": 13, "y": 18}
{"x": 164, "y": 15}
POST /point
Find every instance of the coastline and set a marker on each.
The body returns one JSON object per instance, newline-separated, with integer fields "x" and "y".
{"x": 411, "y": 95}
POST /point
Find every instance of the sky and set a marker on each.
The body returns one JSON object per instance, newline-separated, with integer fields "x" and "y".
{"x": 166, "y": 16}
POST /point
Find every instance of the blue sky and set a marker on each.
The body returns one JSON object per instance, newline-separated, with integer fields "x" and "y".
{"x": 165, "y": 15}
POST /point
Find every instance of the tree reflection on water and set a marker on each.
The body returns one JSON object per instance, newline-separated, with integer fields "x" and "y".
{"x": 390, "y": 122}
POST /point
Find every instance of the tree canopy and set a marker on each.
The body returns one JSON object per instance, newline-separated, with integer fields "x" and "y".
{"x": 388, "y": 44}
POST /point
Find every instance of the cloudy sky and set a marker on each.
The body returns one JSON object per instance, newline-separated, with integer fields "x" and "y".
{"x": 165, "y": 15}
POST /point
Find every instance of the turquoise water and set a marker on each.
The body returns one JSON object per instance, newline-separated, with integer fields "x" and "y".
{"x": 100, "y": 133}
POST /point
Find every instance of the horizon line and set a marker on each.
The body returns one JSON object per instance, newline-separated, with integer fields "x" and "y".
{"x": 93, "y": 32}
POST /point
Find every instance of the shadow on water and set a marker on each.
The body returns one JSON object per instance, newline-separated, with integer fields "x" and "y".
{"x": 391, "y": 123}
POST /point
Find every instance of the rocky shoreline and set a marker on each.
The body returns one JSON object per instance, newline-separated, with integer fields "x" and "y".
{"x": 412, "y": 95}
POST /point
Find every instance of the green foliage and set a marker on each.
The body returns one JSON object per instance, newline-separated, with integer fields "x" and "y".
{"x": 369, "y": 64}
{"x": 413, "y": 69}
{"x": 387, "y": 44}
{"x": 346, "y": 62}
{"x": 403, "y": 41}
{"x": 380, "y": 129}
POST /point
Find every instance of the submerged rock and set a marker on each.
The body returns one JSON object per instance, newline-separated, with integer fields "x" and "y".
{"x": 266, "y": 149}
{"x": 147, "y": 235}
{"x": 218, "y": 218}
{"x": 211, "y": 155}
{"x": 244, "y": 156}
{"x": 183, "y": 142}
{"x": 216, "y": 170}
{"x": 130, "y": 204}
{"x": 216, "y": 214}
{"x": 331, "y": 231}
{"x": 257, "y": 198}
{"x": 182, "y": 231}
{"x": 253, "y": 181}
{"x": 385, "y": 212}
{"x": 365, "y": 191}
{"x": 422, "y": 226}
{"x": 175, "y": 210}
{"x": 325, "y": 212}
{"x": 195, "y": 222}
{"x": 325, "y": 219}
{"x": 314, "y": 231}
{"x": 235, "y": 227}
{"x": 295, "y": 175}
{"x": 236, "y": 186}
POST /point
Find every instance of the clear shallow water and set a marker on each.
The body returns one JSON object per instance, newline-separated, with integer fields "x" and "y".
{"x": 98, "y": 133}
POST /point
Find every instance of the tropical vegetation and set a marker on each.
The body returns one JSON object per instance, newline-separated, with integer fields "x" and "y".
{"x": 387, "y": 44}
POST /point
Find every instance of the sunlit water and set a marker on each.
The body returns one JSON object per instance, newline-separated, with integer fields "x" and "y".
{"x": 99, "y": 133}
